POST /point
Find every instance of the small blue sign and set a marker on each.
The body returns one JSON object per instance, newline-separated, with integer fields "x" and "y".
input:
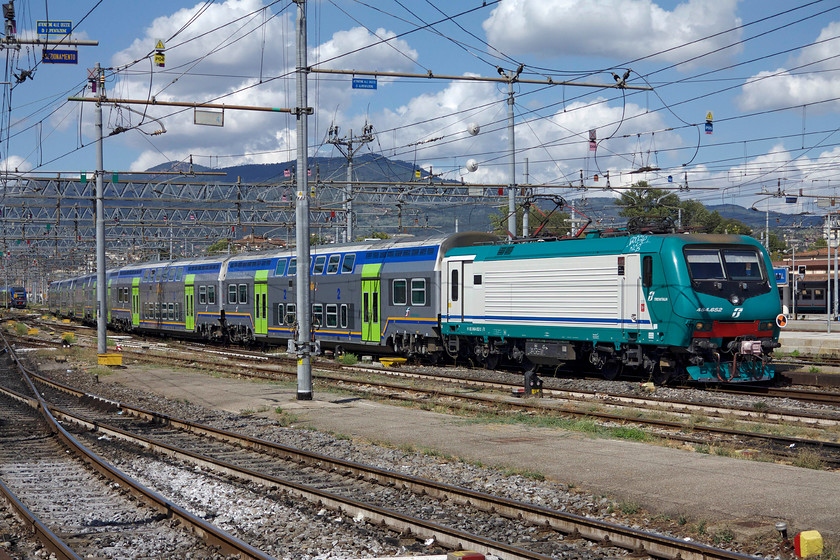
{"x": 60, "y": 57}
{"x": 708, "y": 127}
{"x": 790, "y": 200}
{"x": 781, "y": 276}
{"x": 54, "y": 27}
{"x": 364, "y": 83}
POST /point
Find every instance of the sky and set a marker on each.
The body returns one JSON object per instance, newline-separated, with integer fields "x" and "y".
{"x": 767, "y": 71}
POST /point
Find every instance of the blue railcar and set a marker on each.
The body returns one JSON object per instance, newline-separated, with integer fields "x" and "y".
{"x": 13, "y": 297}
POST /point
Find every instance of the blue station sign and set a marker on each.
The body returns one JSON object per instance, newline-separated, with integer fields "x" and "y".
{"x": 364, "y": 83}
{"x": 54, "y": 27}
{"x": 781, "y": 276}
{"x": 55, "y": 56}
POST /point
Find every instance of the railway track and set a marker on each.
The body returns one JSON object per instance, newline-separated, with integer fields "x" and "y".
{"x": 356, "y": 490}
{"x": 684, "y": 428}
{"x": 78, "y": 505}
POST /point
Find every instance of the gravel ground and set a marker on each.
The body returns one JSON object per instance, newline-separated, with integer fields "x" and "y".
{"x": 548, "y": 494}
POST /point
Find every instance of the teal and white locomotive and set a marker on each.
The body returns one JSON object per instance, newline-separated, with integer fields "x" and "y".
{"x": 701, "y": 307}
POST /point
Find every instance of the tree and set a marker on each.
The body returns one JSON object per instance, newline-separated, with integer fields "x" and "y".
{"x": 220, "y": 246}
{"x": 642, "y": 201}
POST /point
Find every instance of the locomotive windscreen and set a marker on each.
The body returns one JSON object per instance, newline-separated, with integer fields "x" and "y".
{"x": 742, "y": 264}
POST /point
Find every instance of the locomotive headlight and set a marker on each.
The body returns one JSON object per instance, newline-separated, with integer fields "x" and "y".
{"x": 702, "y": 326}
{"x": 766, "y": 325}
{"x": 734, "y": 299}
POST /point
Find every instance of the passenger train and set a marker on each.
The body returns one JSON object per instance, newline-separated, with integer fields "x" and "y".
{"x": 13, "y": 296}
{"x": 699, "y": 307}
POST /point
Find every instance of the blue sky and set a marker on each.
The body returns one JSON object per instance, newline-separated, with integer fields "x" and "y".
{"x": 769, "y": 71}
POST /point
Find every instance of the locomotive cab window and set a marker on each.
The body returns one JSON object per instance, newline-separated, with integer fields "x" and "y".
{"x": 724, "y": 264}
{"x": 647, "y": 271}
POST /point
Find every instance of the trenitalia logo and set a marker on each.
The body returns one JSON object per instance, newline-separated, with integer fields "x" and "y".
{"x": 737, "y": 312}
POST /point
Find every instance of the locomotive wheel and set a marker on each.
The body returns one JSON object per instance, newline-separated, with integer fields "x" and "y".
{"x": 491, "y": 361}
{"x": 660, "y": 376}
{"x": 611, "y": 370}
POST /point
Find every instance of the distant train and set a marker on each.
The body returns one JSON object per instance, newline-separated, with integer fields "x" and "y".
{"x": 14, "y": 296}
{"x": 701, "y": 307}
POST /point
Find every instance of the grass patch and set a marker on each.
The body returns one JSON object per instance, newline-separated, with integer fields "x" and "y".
{"x": 101, "y": 371}
{"x": 347, "y": 359}
{"x": 629, "y": 508}
{"x": 285, "y": 419}
{"x": 808, "y": 459}
{"x": 813, "y": 369}
{"x": 68, "y": 338}
{"x": 760, "y": 406}
{"x": 21, "y": 329}
{"x": 722, "y": 537}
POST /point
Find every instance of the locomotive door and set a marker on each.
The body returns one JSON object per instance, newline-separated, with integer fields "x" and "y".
{"x": 457, "y": 272}
{"x": 261, "y": 302}
{"x": 135, "y": 302}
{"x": 371, "y": 302}
{"x": 189, "y": 302}
{"x": 630, "y": 312}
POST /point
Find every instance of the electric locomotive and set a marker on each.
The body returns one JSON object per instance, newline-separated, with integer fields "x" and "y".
{"x": 701, "y": 307}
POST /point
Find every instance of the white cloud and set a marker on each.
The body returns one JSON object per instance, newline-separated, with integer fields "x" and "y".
{"x": 15, "y": 164}
{"x": 614, "y": 28}
{"x": 806, "y": 83}
{"x": 358, "y": 49}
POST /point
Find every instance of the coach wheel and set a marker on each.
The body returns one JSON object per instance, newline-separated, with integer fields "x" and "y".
{"x": 611, "y": 370}
{"x": 339, "y": 350}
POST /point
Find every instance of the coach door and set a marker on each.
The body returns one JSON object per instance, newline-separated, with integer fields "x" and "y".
{"x": 457, "y": 275}
{"x": 189, "y": 302}
{"x": 108, "y": 302}
{"x": 135, "y": 302}
{"x": 371, "y": 305}
{"x": 261, "y": 302}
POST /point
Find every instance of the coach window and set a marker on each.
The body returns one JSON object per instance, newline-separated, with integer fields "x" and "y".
{"x": 146, "y": 275}
{"x": 343, "y": 316}
{"x": 171, "y": 311}
{"x": 291, "y": 314}
{"x": 211, "y": 295}
{"x": 157, "y": 310}
{"x": 332, "y": 264}
{"x": 292, "y": 267}
{"x": 172, "y": 273}
{"x": 647, "y": 271}
{"x": 279, "y": 313}
{"x": 232, "y": 293}
{"x": 178, "y": 312}
{"x": 179, "y": 273}
{"x": 280, "y": 268}
{"x": 317, "y": 315}
{"x": 348, "y": 263}
{"x": 454, "y": 283}
{"x": 398, "y": 292}
{"x": 320, "y": 261}
{"x": 202, "y": 295}
{"x": 332, "y": 315}
{"x": 243, "y": 293}
{"x": 418, "y": 291}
